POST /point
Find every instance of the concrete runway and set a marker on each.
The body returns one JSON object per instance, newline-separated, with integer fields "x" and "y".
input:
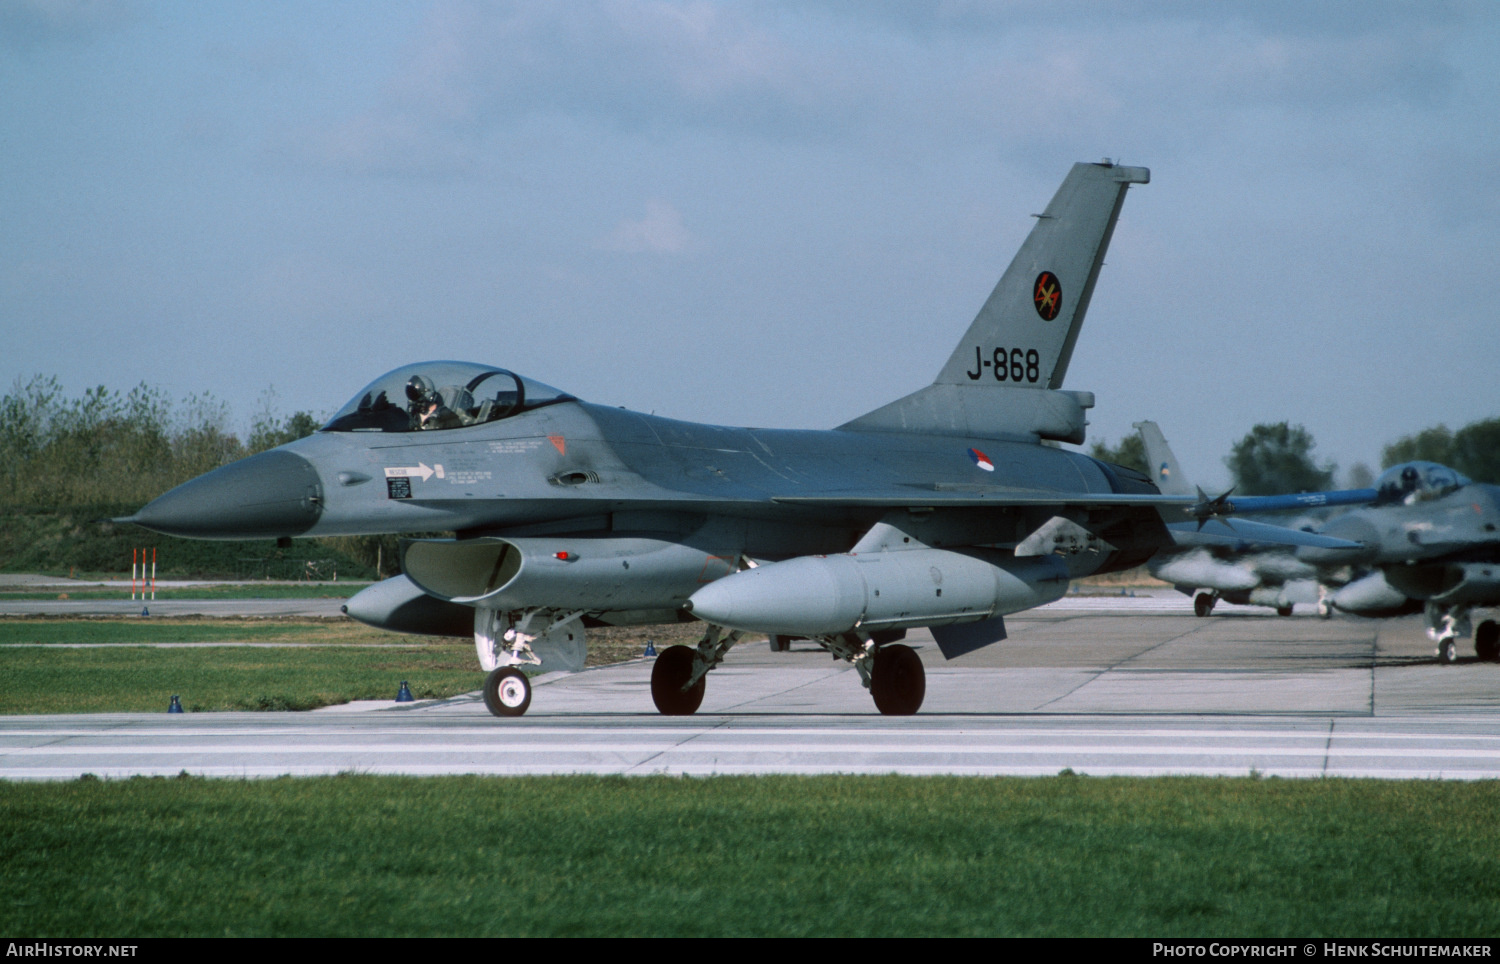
{"x": 162, "y": 605}
{"x": 1099, "y": 685}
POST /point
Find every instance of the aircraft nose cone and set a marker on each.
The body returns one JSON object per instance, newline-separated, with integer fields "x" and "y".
{"x": 1352, "y": 527}
{"x": 267, "y": 496}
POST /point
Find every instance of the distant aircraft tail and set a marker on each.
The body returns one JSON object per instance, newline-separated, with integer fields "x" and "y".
{"x": 1003, "y": 378}
{"x": 1165, "y": 471}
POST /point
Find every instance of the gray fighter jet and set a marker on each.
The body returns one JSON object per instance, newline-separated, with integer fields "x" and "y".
{"x": 1428, "y": 542}
{"x": 943, "y": 509}
{"x": 1219, "y": 558}
{"x": 1432, "y": 535}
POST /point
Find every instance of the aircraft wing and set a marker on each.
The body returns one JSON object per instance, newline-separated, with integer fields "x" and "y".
{"x": 965, "y": 496}
{"x": 1239, "y": 533}
{"x": 1243, "y": 533}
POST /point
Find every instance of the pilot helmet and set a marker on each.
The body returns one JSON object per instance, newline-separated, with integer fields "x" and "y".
{"x": 419, "y": 390}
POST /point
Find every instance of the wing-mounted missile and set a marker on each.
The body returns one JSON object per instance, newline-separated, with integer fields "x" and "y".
{"x": 1218, "y": 508}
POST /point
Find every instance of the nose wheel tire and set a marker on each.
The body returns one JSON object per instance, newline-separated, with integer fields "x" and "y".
{"x": 898, "y": 682}
{"x": 1203, "y": 604}
{"x": 668, "y": 675}
{"x": 1447, "y": 650}
{"x": 507, "y": 692}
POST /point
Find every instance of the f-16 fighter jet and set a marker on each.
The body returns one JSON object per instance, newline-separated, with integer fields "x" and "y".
{"x": 1428, "y": 541}
{"x": 943, "y": 509}
{"x": 1431, "y": 535}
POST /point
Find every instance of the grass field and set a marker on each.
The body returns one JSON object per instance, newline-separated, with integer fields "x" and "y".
{"x": 882, "y": 856}
{"x": 118, "y": 665}
{"x": 140, "y": 679}
{"x": 228, "y": 590}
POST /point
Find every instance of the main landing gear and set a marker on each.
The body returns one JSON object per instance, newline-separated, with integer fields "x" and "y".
{"x": 671, "y": 689}
{"x": 677, "y": 677}
{"x": 1203, "y": 603}
{"x": 892, "y": 673}
{"x": 899, "y": 683}
{"x": 1487, "y": 641}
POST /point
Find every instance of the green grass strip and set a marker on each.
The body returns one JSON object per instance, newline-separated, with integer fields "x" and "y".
{"x": 135, "y": 629}
{"x": 830, "y": 856}
{"x": 237, "y": 590}
{"x": 143, "y": 679}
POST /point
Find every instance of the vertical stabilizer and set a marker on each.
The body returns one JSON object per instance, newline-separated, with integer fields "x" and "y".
{"x": 1004, "y": 378}
{"x": 1165, "y": 471}
{"x": 1030, "y": 323}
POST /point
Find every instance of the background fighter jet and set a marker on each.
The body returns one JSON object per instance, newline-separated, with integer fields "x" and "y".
{"x": 942, "y": 509}
{"x": 1431, "y": 535}
{"x": 1428, "y": 541}
{"x": 1216, "y": 558}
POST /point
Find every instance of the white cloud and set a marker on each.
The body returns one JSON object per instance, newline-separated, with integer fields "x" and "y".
{"x": 661, "y": 231}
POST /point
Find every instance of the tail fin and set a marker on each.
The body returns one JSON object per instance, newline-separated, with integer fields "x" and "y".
{"x": 1165, "y": 471}
{"x": 1024, "y": 335}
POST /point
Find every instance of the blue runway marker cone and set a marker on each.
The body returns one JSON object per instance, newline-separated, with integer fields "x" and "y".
{"x": 404, "y": 695}
{"x": 176, "y": 706}
{"x": 650, "y": 648}
{"x": 145, "y": 611}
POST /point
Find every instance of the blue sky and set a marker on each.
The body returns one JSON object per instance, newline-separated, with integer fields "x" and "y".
{"x": 758, "y": 213}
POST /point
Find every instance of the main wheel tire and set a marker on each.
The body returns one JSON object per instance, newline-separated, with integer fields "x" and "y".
{"x": 1283, "y": 610}
{"x": 1203, "y": 604}
{"x": 898, "y": 681}
{"x": 507, "y": 692}
{"x": 668, "y": 675}
{"x": 780, "y": 644}
{"x": 1447, "y": 650}
{"x": 1487, "y": 640}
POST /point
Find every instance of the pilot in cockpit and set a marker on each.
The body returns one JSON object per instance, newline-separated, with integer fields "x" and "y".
{"x": 432, "y": 408}
{"x": 1414, "y": 482}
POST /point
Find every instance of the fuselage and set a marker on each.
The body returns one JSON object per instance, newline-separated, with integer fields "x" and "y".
{"x": 1462, "y": 524}
{"x": 587, "y": 467}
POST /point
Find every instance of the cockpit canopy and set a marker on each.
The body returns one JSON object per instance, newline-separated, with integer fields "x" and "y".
{"x": 1417, "y": 481}
{"x": 431, "y": 396}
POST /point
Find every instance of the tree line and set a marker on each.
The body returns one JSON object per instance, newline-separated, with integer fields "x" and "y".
{"x": 104, "y": 448}
{"x": 1275, "y": 458}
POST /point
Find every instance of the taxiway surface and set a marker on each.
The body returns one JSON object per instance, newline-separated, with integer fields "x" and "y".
{"x": 1100, "y": 686}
